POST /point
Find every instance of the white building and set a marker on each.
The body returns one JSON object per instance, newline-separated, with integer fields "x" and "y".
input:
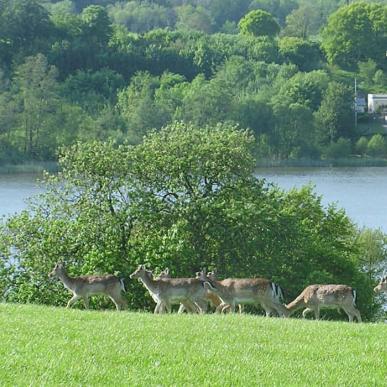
{"x": 376, "y": 102}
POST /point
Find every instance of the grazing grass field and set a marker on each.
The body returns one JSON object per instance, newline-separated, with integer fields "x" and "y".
{"x": 51, "y": 346}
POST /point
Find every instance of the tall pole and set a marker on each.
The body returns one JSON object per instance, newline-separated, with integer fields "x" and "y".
{"x": 355, "y": 102}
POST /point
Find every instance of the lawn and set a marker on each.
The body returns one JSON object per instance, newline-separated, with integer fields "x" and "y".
{"x": 50, "y": 346}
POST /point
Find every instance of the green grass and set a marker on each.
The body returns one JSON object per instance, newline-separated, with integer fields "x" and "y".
{"x": 51, "y": 346}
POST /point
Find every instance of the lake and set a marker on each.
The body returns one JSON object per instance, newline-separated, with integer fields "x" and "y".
{"x": 362, "y": 192}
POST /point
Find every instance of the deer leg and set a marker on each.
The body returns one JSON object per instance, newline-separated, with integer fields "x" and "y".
{"x": 86, "y": 301}
{"x": 266, "y": 309}
{"x": 72, "y": 300}
{"x": 157, "y": 308}
{"x": 191, "y": 306}
{"x": 352, "y": 312}
{"x": 240, "y": 308}
{"x": 306, "y": 311}
{"x": 115, "y": 302}
{"x": 357, "y": 314}
{"x": 317, "y": 312}
{"x": 202, "y": 306}
{"x": 220, "y": 307}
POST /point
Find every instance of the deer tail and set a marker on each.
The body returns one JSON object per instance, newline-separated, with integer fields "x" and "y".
{"x": 122, "y": 284}
{"x": 277, "y": 292}
{"x": 354, "y": 294}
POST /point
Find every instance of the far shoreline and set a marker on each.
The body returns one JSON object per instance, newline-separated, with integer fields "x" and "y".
{"x": 52, "y": 166}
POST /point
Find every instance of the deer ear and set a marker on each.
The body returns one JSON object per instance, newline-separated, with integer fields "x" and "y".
{"x": 166, "y": 271}
{"x": 142, "y": 267}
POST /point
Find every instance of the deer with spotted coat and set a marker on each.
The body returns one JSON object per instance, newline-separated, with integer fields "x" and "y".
{"x": 242, "y": 291}
{"x": 85, "y": 286}
{"x": 382, "y": 285}
{"x": 315, "y": 297}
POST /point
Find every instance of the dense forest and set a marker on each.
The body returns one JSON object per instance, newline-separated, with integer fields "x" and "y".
{"x": 101, "y": 69}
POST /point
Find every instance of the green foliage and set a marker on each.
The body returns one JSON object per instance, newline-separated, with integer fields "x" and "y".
{"x": 184, "y": 198}
{"x": 25, "y": 28}
{"x": 356, "y": 33}
{"x": 306, "y": 88}
{"x": 259, "y": 23}
{"x": 124, "y": 68}
{"x": 338, "y": 149}
{"x": 335, "y": 114}
{"x": 376, "y": 146}
{"x": 361, "y": 145}
{"x": 141, "y": 16}
{"x": 305, "y": 54}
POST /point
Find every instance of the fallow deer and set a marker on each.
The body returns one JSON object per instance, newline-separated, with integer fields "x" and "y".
{"x": 164, "y": 274}
{"x": 170, "y": 291}
{"x": 315, "y": 297}
{"x": 255, "y": 291}
{"x": 382, "y": 285}
{"x": 85, "y": 286}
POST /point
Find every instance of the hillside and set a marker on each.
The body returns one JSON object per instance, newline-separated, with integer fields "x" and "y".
{"x": 51, "y": 346}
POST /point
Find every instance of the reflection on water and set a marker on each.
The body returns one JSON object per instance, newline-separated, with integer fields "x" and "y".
{"x": 362, "y": 192}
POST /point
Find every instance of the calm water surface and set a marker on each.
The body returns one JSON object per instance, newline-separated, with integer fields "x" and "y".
{"x": 362, "y": 192}
{"x": 15, "y": 189}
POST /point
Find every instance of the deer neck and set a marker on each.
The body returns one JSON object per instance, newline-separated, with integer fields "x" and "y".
{"x": 149, "y": 283}
{"x": 298, "y": 303}
{"x": 68, "y": 282}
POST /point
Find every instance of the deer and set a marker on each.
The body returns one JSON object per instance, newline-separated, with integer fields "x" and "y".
{"x": 382, "y": 285}
{"x": 170, "y": 291}
{"x": 255, "y": 291}
{"x": 315, "y": 297}
{"x": 85, "y": 286}
{"x": 164, "y": 274}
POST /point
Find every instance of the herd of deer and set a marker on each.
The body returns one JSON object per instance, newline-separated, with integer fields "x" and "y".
{"x": 195, "y": 294}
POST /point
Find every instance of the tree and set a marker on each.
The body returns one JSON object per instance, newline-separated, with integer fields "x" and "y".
{"x": 278, "y": 8}
{"x": 354, "y": 33}
{"x": 194, "y": 18}
{"x": 305, "y": 54}
{"x": 185, "y": 198}
{"x": 303, "y": 21}
{"x": 361, "y": 145}
{"x": 25, "y": 29}
{"x": 376, "y": 146}
{"x": 141, "y": 16}
{"x": 306, "y": 88}
{"x": 335, "y": 114}
{"x": 259, "y": 23}
{"x": 38, "y": 96}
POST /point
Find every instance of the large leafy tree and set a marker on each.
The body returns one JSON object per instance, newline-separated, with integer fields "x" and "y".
{"x": 25, "y": 29}
{"x": 335, "y": 117}
{"x": 354, "y": 33}
{"x": 186, "y": 198}
{"x": 259, "y": 23}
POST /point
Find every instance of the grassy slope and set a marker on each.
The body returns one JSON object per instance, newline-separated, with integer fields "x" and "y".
{"x": 42, "y": 345}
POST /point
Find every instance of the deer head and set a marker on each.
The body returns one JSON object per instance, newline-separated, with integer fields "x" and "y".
{"x": 164, "y": 274}
{"x": 140, "y": 272}
{"x": 382, "y": 286}
{"x": 57, "y": 270}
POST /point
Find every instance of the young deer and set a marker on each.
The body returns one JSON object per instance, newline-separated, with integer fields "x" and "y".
{"x": 85, "y": 286}
{"x": 255, "y": 291}
{"x": 170, "y": 291}
{"x": 315, "y": 297}
{"x": 382, "y": 285}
